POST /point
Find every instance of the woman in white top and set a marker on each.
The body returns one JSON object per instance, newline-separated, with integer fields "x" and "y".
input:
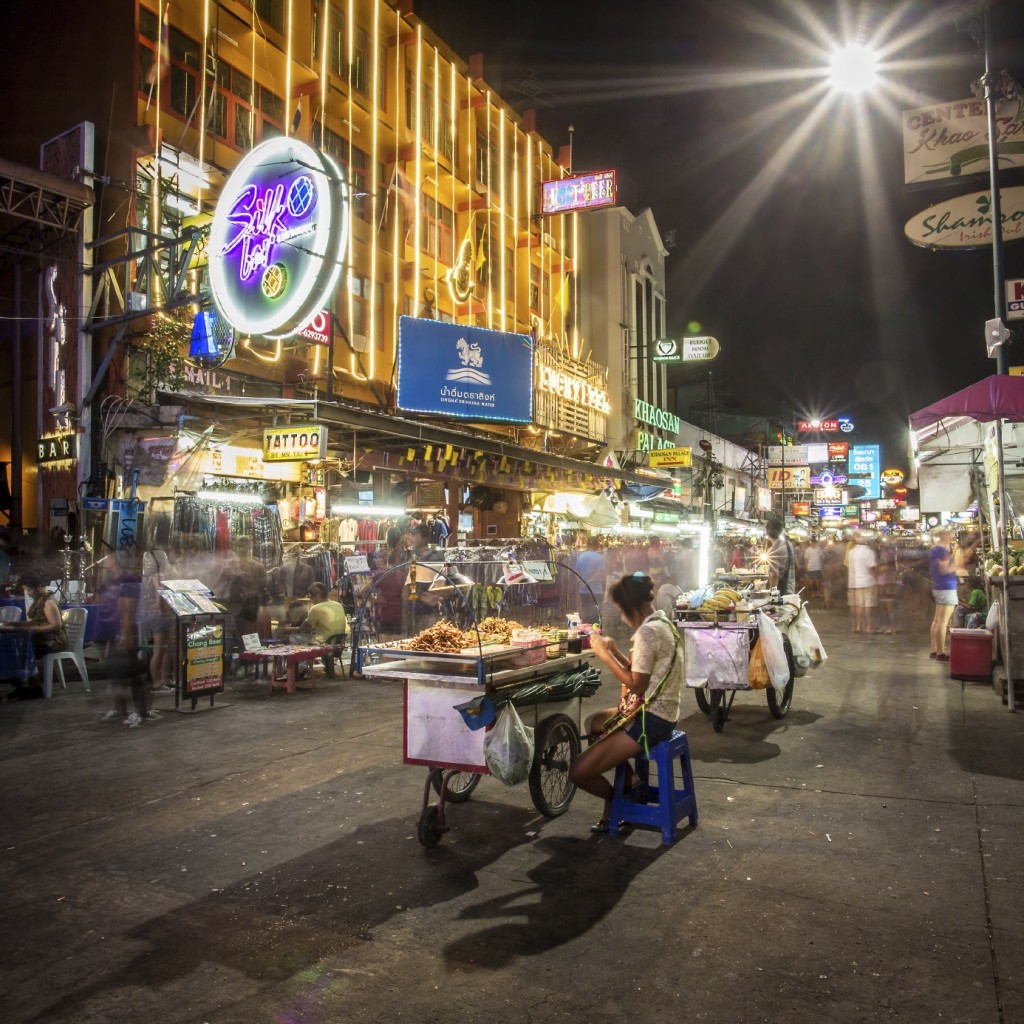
{"x": 652, "y": 684}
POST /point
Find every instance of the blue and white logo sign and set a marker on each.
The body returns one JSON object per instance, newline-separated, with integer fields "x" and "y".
{"x": 469, "y": 373}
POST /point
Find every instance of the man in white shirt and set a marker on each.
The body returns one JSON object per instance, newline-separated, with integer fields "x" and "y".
{"x": 860, "y": 583}
{"x": 813, "y": 568}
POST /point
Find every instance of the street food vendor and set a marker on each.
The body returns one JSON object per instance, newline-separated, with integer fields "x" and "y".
{"x": 652, "y": 683}
{"x": 326, "y": 618}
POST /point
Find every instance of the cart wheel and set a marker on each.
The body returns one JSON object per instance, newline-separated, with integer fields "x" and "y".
{"x": 460, "y": 786}
{"x": 427, "y": 830}
{"x": 779, "y": 706}
{"x": 718, "y": 717}
{"x": 557, "y": 746}
{"x": 701, "y": 693}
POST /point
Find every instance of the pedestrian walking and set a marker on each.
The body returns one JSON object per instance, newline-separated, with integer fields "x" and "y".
{"x": 861, "y": 591}
{"x": 943, "y": 574}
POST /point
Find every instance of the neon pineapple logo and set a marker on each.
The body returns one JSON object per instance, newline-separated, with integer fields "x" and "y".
{"x": 260, "y": 213}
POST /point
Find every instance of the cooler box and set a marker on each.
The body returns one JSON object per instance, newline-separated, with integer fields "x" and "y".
{"x": 970, "y": 654}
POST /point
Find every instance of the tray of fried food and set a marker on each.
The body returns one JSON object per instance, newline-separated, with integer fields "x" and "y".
{"x": 495, "y": 630}
{"x": 442, "y": 638}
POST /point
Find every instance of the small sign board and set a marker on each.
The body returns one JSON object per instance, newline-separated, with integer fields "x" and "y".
{"x": 670, "y": 457}
{"x": 578, "y": 192}
{"x": 251, "y": 642}
{"x": 700, "y": 348}
{"x": 355, "y": 564}
{"x": 540, "y": 571}
{"x": 1015, "y": 299}
{"x": 204, "y": 659}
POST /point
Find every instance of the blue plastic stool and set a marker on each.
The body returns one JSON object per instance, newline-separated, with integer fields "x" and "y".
{"x": 667, "y": 805}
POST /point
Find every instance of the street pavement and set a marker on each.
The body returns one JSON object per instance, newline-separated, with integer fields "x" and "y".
{"x": 856, "y": 861}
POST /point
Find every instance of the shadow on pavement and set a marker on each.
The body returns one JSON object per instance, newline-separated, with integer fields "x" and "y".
{"x": 578, "y": 884}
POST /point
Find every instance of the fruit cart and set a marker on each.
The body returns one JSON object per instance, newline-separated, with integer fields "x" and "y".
{"x": 548, "y": 694}
{"x": 717, "y": 644}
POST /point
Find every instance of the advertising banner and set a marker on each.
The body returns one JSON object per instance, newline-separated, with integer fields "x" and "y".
{"x": 670, "y": 457}
{"x": 792, "y": 478}
{"x": 865, "y": 468}
{"x": 580, "y": 192}
{"x": 468, "y": 373}
{"x": 792, "y": 454}
{"x": 294, "y": 443}
{"x": 965, "y": 222}
{"x": 204, "y": 659}
{"x": 947, "y": 140}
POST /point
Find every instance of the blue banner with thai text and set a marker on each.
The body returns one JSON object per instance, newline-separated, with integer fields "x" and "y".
{"x": 469, "y": 373}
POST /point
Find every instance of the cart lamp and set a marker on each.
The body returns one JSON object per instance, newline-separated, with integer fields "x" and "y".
{"x": 516, "y": 574}
{"x": 449, "y": 580}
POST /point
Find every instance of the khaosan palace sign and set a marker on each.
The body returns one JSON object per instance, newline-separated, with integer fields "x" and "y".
{"x": 278, "y": 238}
{"x": 644, "y": 412}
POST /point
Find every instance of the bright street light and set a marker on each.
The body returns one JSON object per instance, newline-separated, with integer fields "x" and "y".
{"x": 853, "y": 68}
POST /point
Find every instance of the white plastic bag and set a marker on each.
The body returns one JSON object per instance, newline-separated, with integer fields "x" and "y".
{"x": 716, "y": 657}
{"x": 774, "y": 651}
{"x": 801, "y": 658}
{"x": 992, "y": 619}
{"x": 508, "y": 748}
{"x": 808, "y": 637}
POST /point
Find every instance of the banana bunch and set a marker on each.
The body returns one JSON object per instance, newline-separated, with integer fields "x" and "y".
{"x": 718, "y": 603}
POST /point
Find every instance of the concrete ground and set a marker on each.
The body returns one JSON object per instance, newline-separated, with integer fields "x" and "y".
{"x": 857, "y": 861}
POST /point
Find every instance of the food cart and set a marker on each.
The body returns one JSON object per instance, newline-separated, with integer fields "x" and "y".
{"x": 548, "y": 696}
{"x": 719, "y": 636}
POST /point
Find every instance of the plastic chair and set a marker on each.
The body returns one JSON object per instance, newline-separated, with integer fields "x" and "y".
{"x": 10, "y": 613}
{"x": 667, "y": 804}
{"x": 328, "y": 659}
{"x": 74, "y": 625}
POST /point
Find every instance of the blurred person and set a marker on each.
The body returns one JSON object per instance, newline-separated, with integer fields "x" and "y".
{"x": 887, "y": 585}
{"x": 44, "y": 623}
{"x": 592, "y": 569}
{"x": 128, "y": 671}
{"x": 943, "y": 577}
{"x": 155, "y": 619}
{"x": 686, "y": 566}
{"x": 861, "y": 589}
{"x": 813, "y": 568}
{"x": 781, "y": 559}
{"x": 971, "y": 613}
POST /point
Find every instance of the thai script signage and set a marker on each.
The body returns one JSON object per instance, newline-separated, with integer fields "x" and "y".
{"x": 294, "y": 443}
{"x": 579, "y": 192}
{"x": 864, "y": 468}
{"x": 580, "y": 392}
{"x": 671, "y": 457}
{"x": 468, "y": 373}
{"x": 965, "y": 222}
{"x": 946, "y": 140}
{"x": 278, "y": 238}
{"x": 655, "y": 417}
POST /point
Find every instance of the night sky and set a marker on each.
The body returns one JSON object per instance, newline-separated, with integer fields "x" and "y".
{"x": 789, "y": 244}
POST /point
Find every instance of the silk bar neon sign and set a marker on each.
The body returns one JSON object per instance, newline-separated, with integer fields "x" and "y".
{"x": 278, "y": 238}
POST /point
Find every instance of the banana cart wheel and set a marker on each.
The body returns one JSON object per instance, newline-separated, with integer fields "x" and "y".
{"x": 460, "y": 786}
{"x": 427, "y": 829}
{"x": 557, "y": 746}
{"x": 701, "y": 693}
{"x": 779, "y": 706}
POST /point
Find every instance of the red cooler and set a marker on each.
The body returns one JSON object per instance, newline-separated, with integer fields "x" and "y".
{"x": 970, "y": 654}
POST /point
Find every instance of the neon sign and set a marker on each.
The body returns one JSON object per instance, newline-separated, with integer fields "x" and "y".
{"x": 278, "y": 238}
{"x": 580, "y": 192}
{"x": 573, "y": 389}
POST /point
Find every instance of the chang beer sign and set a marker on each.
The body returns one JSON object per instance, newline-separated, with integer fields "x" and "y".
{"x": 278, "y": 238}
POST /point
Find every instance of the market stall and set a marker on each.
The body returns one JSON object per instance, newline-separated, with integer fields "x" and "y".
{"x": 456, "y": 682}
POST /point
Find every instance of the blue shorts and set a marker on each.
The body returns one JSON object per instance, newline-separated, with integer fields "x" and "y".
{"x": 944, "y": 596}
{"x": 652, "y": 729}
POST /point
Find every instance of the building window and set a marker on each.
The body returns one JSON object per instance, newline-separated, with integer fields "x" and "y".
{"x": 272, "y": 108}
{"x": 335, "y": 38}
{"x": 437, "y": 225}
{"x": 271, "y": 12}
{"x": 538, "y": 290}
{"x": 446, "y": 144}
{"x": 360, "y": 291}
{"x": 359, "y": 73}
{"x": 382, "y": 78}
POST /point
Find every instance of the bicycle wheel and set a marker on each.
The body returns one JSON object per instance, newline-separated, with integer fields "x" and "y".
{"x": 460, "y": 785}
{"x": 557, "y": 746}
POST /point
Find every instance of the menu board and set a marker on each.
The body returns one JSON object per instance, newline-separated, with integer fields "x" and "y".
{"x": 204, "y": 659}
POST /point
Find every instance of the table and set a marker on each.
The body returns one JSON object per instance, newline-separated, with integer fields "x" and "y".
{"x": 291, "y": 655}
{"x": 17, "y": 656}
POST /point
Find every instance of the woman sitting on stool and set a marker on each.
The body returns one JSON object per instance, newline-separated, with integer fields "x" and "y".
{"x": 652, "y": 687}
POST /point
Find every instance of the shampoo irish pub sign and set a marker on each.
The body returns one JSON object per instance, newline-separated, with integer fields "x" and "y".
{"x": 278, "y": 237}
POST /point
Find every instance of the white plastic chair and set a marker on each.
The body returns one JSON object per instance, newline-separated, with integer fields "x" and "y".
{"x": 74, "y": 625}
{"x": 11, "y": 613}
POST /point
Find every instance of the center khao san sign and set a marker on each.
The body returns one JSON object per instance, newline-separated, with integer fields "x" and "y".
{"x": 278, "y": 238}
